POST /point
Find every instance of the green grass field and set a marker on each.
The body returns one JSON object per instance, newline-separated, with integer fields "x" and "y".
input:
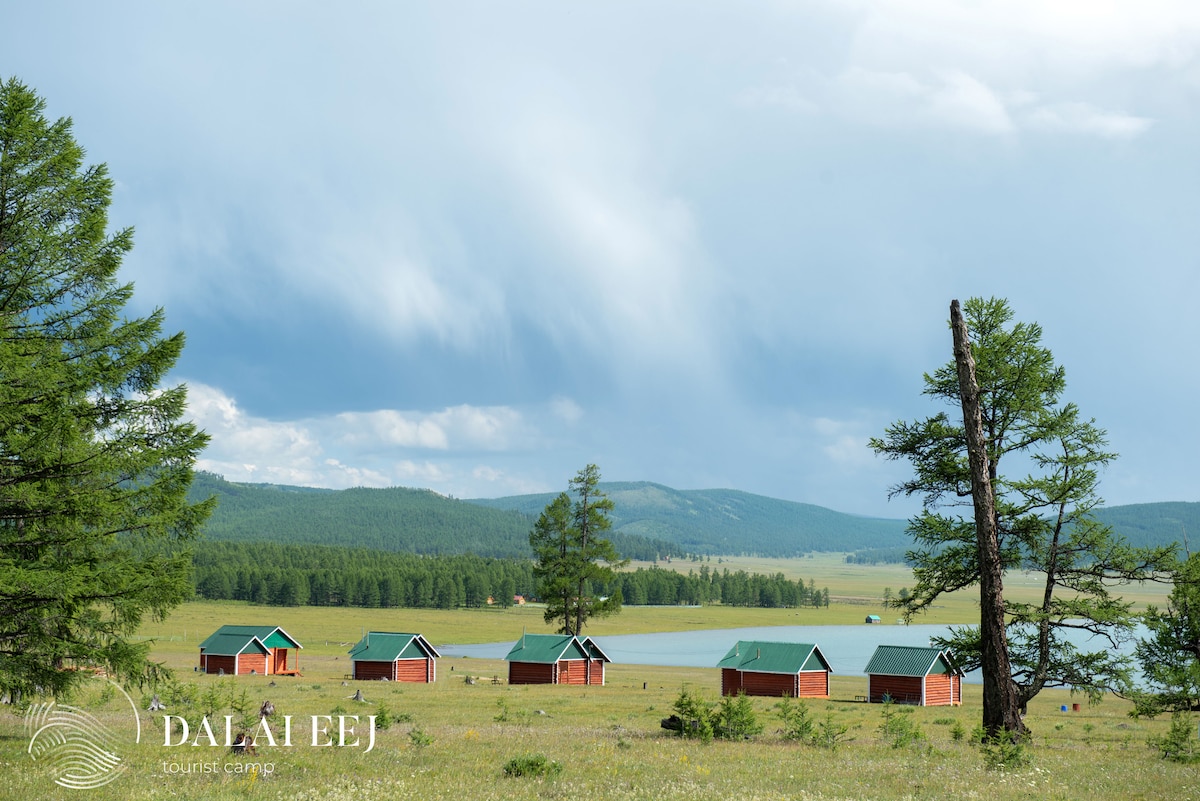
{"x": 452, "y": 739}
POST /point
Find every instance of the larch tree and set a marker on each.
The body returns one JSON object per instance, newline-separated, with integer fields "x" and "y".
{"x": 1028, "y": 506}
{"x": 1169, "y": 656}
{"x": 95, "y": 456}
{"x": 573, "y": 557}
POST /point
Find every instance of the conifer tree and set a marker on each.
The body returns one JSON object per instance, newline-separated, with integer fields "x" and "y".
{"x": 573, "y": 557}
{"x": 95, "y": 457}
{"x": 1042, "y": 460}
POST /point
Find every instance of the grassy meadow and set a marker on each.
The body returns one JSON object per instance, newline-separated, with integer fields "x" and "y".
{"x": 452, "y": 739}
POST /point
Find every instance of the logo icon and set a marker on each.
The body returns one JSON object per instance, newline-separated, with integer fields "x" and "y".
{"x": 76, "y": 743}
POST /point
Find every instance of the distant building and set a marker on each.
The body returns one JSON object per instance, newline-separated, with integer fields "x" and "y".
{"x": 873, "y": 619}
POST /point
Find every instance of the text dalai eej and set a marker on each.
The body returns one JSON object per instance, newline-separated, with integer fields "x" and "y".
{"x": 325, "y": 733}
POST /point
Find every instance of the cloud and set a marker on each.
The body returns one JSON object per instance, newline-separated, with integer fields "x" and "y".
{"x": 435, "y": 449}
{"x": 997, "y": 66}
{"x": 954, "y": 100}
{"x": 1082, "y": 118}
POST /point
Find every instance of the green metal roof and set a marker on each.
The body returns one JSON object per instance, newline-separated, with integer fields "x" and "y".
{"x": 388, "y": 646}
{"x": 270, "y": 636}
{"x": 232, "y": 644}
{"x": 550, "y": 648}
{"x": 909, "y": 660}
{"x": 775, "y": 657}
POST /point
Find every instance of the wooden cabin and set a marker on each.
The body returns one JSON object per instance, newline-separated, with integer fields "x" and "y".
{"x": 913, "y": 675}
{"x": 775, "y": 669}
{"x": 395, "y": 657}
{"x": 241, "y": 650}
{"x": 555, "y": 659}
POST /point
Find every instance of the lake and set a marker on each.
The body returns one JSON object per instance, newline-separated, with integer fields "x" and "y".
{"x": 848, "y": 648}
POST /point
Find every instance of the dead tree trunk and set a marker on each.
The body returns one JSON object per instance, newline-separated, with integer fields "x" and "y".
{"x": 1001, "y": 704}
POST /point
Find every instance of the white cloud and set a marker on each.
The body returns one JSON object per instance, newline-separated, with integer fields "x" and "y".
{"x": 1000, "y": 66}
{"x": 845, "y": 443}
{"x": 373, "y": 449}
{"x": 954, "y": 100}
{"x": 1082, "y": 118}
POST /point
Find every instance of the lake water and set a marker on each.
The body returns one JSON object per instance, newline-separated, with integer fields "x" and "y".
{"x": 848, "y": 648}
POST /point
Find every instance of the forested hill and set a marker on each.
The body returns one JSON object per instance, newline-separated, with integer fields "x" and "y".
{"x": 1155, "y": 523}
{"x": 721, "y": 521}
{"x": 393, "y": 519}
{"x": 649, "y": 521}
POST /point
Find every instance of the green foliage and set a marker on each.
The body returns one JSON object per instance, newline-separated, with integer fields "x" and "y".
{"x": 1170, "y": 655}
{"x": 900, "y": 730}
{"x": 573, "y": 557}
{"x": 96, "y": 457}
{"x": 383, "y": 718}
{"x": 1044, "y": 504}
{"x": 1006, "y": 751}
{"x": 1179, "y": 743}
{"x": 735, "y": 719}
{"x": 217, "y": 699}
{"x": 830, "y": 733}
{"x": 798, "y": 724}
{"x": 534, "y": 765}
{"x": 419, "y": 739}
{"x": 696, "y": 716}
{"x": 958, "y": 731}
{"x": 502, "y": 715}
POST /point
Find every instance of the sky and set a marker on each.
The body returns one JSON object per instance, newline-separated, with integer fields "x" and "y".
{"x": 475, "y": 246}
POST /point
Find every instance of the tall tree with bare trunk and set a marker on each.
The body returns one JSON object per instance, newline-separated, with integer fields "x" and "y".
{"x": 1036, "y": 517}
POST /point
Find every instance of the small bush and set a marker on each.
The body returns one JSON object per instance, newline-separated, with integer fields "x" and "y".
{"x": 419, "y": 739}
{"x": 958, "y": 732}
{"x": 1005, "y": 752}
{"x": 899, "y": 730}
{"x": 383, "y": 718}
{"x": 735, "y": 719}
{"x": 798, "y": 724}
{"x": 535, "y": 765}
{"x": 830, "y": 733}
{"x": 695, "y": 716}
{"x": 1179, "y": 743}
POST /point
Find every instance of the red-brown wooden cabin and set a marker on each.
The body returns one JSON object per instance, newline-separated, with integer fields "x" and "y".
{"x": 240, "y": 650}
{"x": 913, "y": 675}
{"x": 393, "y": 656}
{"x": 555, "y": 659}
{"x": 798, "y": 670}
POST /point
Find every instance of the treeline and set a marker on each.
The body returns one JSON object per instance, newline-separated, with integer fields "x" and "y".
{"x": 655, "y": 586}
{"x": 320, "y": 575}
{"x": 879, "y": 556}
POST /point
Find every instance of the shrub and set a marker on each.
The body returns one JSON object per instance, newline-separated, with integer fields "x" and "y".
{"x": 798, "y": 725}
{"x": 1004, "y": 752}
{"x": 419, "y": 739}
{"x": 735, "y": 719}
{"x": 830, "y": 733}
{"x": 695, "y": 716}
{"x": 532, "y": 765}
{"x": 1179, "y": 743}
{"x": 899, "y": 730}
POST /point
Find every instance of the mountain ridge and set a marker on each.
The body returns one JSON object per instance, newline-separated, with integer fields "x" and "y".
{"x": 650, "y": 521}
